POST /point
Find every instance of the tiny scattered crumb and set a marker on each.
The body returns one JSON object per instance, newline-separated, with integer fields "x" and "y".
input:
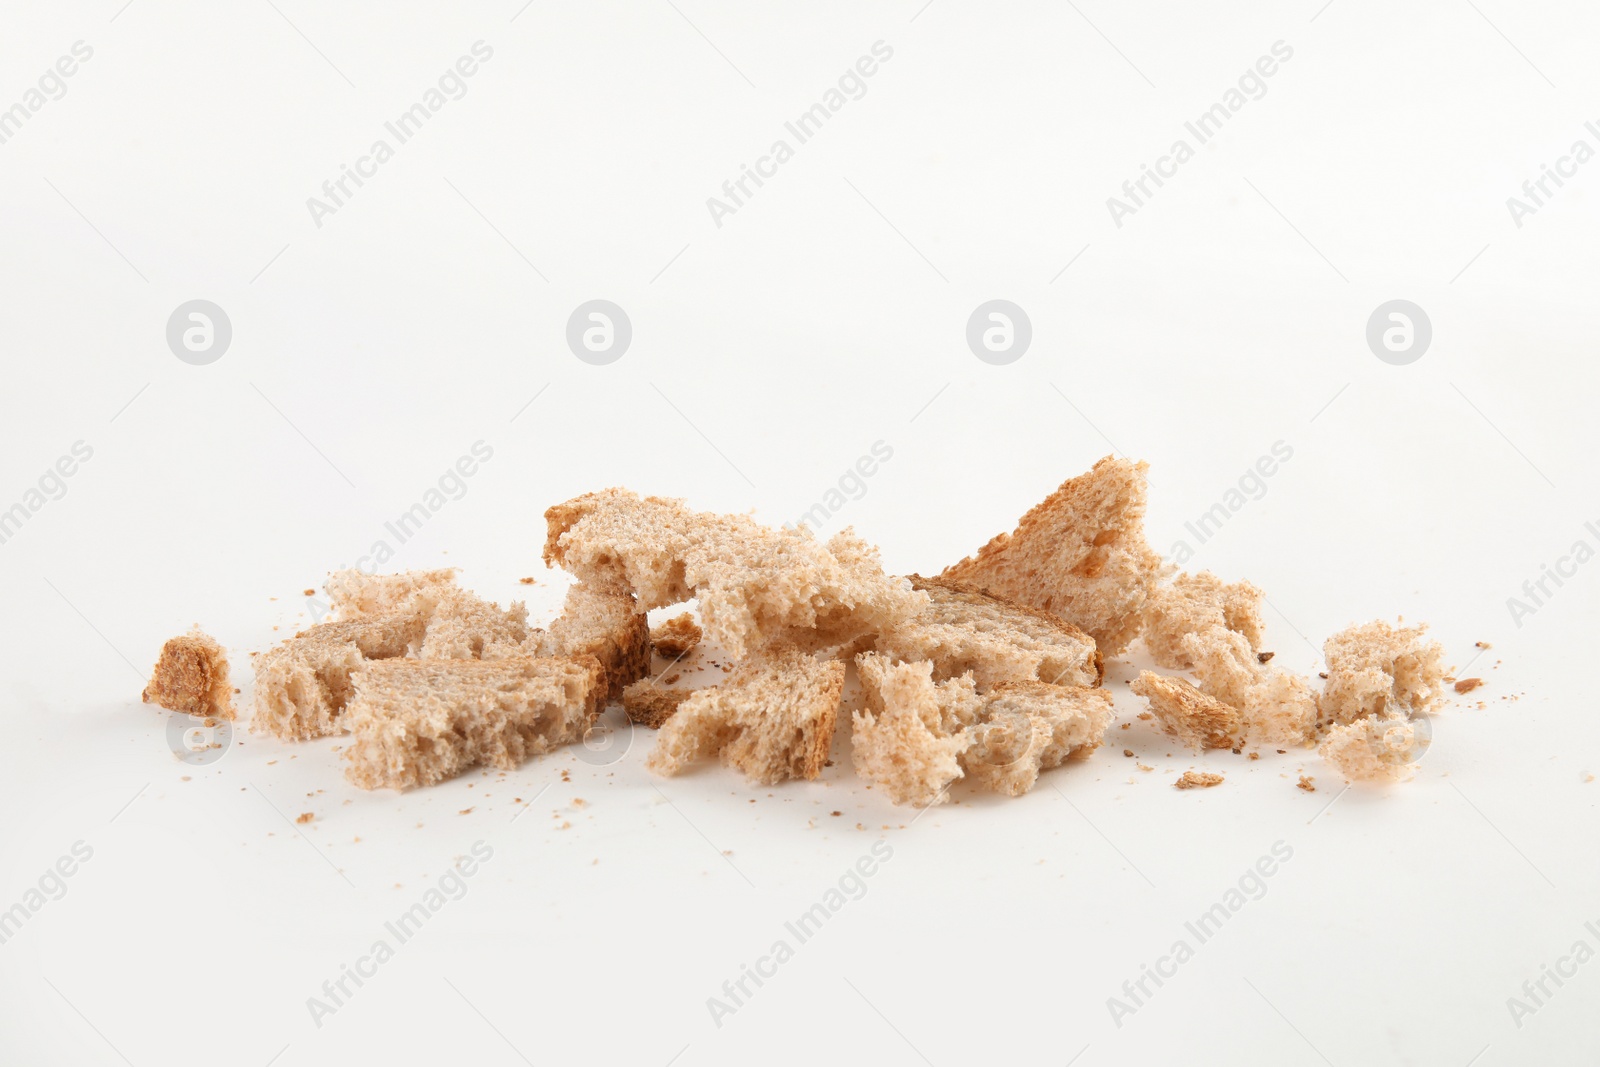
{"x": 527, "y": 581}
{"x": 1197, "y": 780}
{"x": 1145, "y": 716}
{"x": 1483, "y": 644}
{"x": 309, "y": 592}
{"x": 1255, "y": 755}
{"x": 1467, "y": 685}
{"x": 1265, "y": 657}
{"x": 1127, "y": 726}
{"x": 305, "y": 817}
{"x": 579, "y": 802}
{"x": 1127, "y": 752}
{"x": 465, "y": 811}
{"x": 1305, "y": 783}
{"x": 836, "y": 813}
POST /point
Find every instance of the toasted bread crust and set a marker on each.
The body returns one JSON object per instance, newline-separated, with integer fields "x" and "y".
{"x": 676, "y": 637}
{"x": 191, "y": 676}
{"x": 1187, "y": 715}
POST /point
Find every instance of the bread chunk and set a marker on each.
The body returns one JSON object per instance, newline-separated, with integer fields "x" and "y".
{"x": 1278, "y": 707}
{"x": 754, "y": 585}
{"x": 1193, "y": 603}
{"x": 676, "y": 637}
{"x": 460, "y": 624}
{"x": 302, "y": 685}
{"x": 1187, "y": 715}
{"x": 191, "y": 676}
{"x": 772, "y": 718}
{"x": 1028, "y": 727}
{"x": 963, "y": 629}
{"x": 1377, "y": 669}
{"x": 419, "y": 722}
{"x": 1080, "y": 554}
{"x": 604, "y": 622}
{"x": 1378, "y": 748}
{"x": 910, "y": 735}
{"x": 355, "y": 594}
{"x": 649, "y": 703}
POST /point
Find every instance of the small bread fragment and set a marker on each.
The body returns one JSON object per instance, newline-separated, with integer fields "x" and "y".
{"x": 676, "y": 637}
{"x": 302, "y": 685}
{"x": 649, "y": 703}
{"x": 1197, "y": 780}
{"x": 191, "y": 676}
{"x": 772, "y": 718}
{"x": 1379, "y": 748}
{"x": 1028, "y": 727}
{"x": 1376, "y": 669}
{"x": 1277, "y": 706}
{"x": 1193, "y": 603}
{"x": 754, "y": 585}
{"x": 1081, "y": 554}
{"x": 964, "y": 629}
{"x": 355, "y": 594}
{"x": 418, "y": 722}
{"x": 909, "y": 737}
{"x": 460, "y": 624}
{"x": 602, "y": 621}
{"x": 1187, "y": 715}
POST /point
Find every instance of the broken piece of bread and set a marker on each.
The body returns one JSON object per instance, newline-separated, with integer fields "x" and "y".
{"x": 1187, "y": 715}
{"x": 604, "y": 622}
{"x": 1197, "y": 780}
{"x": 302, "y": 685}
{"x": 460, "y": 624}
{"x": 649, "y": 703}
{"x": 911, "y": 733}
{"x": 355, "y": 594}
{"x": 1376, "y": 669}
{"x": 1193, "y": 603}
{"x": 1378, "y": 748}
{"x": 772, "y": 718}
{"x": 191, "y": 676}
{"x": 419, "y": 722}
{"x": 675, "y": 637}
{"x": 1028, "y": 727}
{"x": 1080, "y": 554}
{"x": 1277, "y": 706}
{"x": 753, "y": 584}
{"x": 963, "y": 629}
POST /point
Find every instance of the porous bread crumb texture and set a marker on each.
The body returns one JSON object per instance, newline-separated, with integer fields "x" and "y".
{"x": 419, "y": 722}
{"x": 1197, "y": 780}
{"x": 302, "y": 685}
{"x": 915, "y": 736}
{"x": 1194, "y": 603}
{"x": 602, "y": 621}
{"x": 1278, "y": 707}
{"x": 676, "y": 637}
{"x": 649, "y": 703}
{"x": 1080, "y": 554}
{"x": 754, "y": 585}
{"x": 191, "y": 676}
{"x": 772, "y": 718}
{"x": 460, "y": 624}
{"x": 1187, "y": 715}
{"x": 1381, "y": 748}
{"x": 355, "y": 594}
{"x": 1376, "y": 669}
{"x": 964, "y": 630}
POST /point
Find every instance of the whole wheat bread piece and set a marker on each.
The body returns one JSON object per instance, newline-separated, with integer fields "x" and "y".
{"x": 419, "y": 722}
{"x": 602, "y": 621}
{"x": 676, "y": 637}
{"x": 1377, "y": 748}
{"x": 1028, "y": 727}
{"x": 302, "y": 685}
{"x": 1377, "y": 669}
{"x": 772, "y": 718}
{"x": 1278, "y": 707}
{"x": 754, "y": 585}
{"x": 1187, "y": 715}
{"x": 649, "y": 703}
{"x": 1080, "y": 554}
{"x": 191, "y": 676}
{"x": 963, "y": 629}
{"x": 1193, "y": 603}
{"x": 460, "y": 624}
{"x": 909, "y": 735}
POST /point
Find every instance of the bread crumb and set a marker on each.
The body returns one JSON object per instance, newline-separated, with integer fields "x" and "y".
{"x": 835, "y": 813}
{"x": 465, "y": 811}
{"x": 1255, "y": 755}
{"x": 527, "y": 581}
{"x": 1127, "y": 752}
{"x": 1127, "y": 726}
{"x": 1197, "y": 780}
{"x": 305, "y": 817}
{"x": 1305, "y": 783}
{"x": 1483, "y": 644}
{"x": 1467, "y": 685}
{"x": 309, "y": 592}
{"x": 579, "y": 802}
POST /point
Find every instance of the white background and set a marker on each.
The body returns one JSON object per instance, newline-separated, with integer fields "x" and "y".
{"x": 768, "y": 354}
